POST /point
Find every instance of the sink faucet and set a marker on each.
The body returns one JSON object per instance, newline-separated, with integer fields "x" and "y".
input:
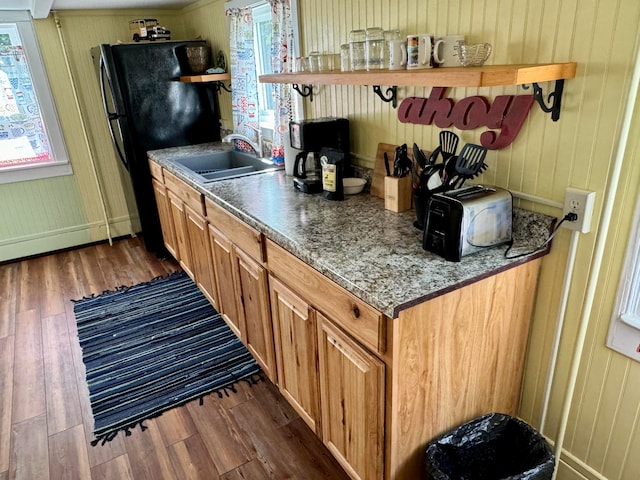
{"x": 257, "y": 147}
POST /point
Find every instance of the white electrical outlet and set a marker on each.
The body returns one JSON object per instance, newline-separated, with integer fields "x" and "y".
{"x": 581, "y": 203}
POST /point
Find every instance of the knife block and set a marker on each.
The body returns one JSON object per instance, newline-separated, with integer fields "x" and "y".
{"x": 397, "y": 193}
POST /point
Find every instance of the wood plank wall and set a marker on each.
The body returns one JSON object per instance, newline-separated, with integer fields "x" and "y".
{"x": 577, "y": 151}
{"x": 547, "y": 157}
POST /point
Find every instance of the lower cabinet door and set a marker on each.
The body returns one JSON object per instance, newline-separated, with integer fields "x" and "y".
{"x": 253, "y": 297}
{"x": 295, "y": 337}
{"x": 198, "y": 235}
{"x": 164, "y": 212}
{"x": 176, "y": 208}
{"x": 223, "y": 258}
{"x": 352, "y": 402}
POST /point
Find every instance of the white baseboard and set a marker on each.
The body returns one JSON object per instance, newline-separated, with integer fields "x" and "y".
{"x": 44, "y": 242}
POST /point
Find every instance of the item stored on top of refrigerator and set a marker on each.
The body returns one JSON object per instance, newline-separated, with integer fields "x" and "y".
{"x": 145, "y": 110}
{"x": 147, "y": 29}
{"x": 467, "y": 220}
{"x": 198, "y": 57}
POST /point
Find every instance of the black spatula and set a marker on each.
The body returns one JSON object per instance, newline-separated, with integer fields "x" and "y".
{"x": 469, "y": 164}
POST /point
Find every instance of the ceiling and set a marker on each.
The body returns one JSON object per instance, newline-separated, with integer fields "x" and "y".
{"x": 41, "y": 8}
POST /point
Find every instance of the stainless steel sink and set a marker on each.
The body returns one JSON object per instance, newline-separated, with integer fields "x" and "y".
{"x": 215, "y": 166}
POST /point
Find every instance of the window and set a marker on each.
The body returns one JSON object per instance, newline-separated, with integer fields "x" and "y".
{"x": 31, "y": 142}
{"x": 262, "y": 34}
{"x": 624, "y": 331}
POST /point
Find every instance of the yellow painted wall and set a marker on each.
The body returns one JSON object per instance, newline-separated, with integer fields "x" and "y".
{"x": 49, "y": 214}
{"x": 602, "y": 37}
{"x": 603, "y": 434}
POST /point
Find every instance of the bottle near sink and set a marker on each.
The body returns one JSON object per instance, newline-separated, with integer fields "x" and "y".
{"x": 332, "y": 161}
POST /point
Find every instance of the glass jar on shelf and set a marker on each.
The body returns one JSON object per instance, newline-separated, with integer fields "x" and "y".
{"x": 374, "y": 48}
{"x": 357, "y": 40}
{"x": 389, "y": 36}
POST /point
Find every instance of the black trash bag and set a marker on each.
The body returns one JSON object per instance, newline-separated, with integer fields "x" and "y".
{"x": 492, "y": 447}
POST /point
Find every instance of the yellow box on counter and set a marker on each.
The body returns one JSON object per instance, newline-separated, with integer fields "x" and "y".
{"x": 397, "y": 193}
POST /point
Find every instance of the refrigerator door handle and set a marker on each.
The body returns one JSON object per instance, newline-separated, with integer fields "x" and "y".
{"x": 111, "y": 116}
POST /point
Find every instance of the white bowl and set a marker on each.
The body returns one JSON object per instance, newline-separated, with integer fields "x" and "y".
{"x": 353, "y": 185}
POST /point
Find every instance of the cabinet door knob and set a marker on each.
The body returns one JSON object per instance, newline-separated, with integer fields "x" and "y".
{"x": 355, "y": 310}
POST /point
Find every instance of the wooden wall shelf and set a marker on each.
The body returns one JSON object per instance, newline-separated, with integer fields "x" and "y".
{"x": 209, "y": 77}
{"x": 485, "y": 76}
{"x": 215, "y": 80}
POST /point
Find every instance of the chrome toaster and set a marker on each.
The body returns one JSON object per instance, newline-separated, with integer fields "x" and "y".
{"x": 467, "y": 220}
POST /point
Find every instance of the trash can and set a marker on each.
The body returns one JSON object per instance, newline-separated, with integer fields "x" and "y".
{"x": 491, "y": 447}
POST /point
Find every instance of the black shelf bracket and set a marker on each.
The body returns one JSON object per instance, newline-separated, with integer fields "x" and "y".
{"x": 217, "y": 86}
{"x": 391, "y": 94}
{"x": 304, "y": 91}
{"x": 554, "y": 98}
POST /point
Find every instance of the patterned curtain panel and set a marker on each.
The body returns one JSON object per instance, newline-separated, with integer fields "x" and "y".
{"x": 281, "y": 62}
{"x": 242, "y": 61}
{"x": 23, "y": 139}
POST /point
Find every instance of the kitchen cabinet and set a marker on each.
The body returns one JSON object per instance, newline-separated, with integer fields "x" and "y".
{"x": 184, "y": 228}
{"x": 176, "y": 212}
{"x": 295, "y": 337}
{"x": 348, "y": 378}
{"x": 352, "y": 402}
{"x": 244, "y": 294}
{"x": 375, "y": 389}
{"x": 186, "y": 208}
{"x": 222, "y": 266}
{"x": 252, "y": 292}
{"x": 199, "y": 250}
{"x": 389, "y": 386}
{"x": 164, "y": 212}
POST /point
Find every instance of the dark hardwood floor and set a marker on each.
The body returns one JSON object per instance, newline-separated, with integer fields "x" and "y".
{"x": 45, "y": 415}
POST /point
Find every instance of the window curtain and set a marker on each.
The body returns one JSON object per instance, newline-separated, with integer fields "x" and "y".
{"x": 242, "y": 61}
{"x": 281, "y": 62}
{"x": 21, "y": 129}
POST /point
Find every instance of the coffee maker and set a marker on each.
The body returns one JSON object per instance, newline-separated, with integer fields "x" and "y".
{"x": 308, "y": 137}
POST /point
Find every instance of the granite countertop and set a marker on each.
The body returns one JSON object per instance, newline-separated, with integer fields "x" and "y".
{"x": 373, "y": 253}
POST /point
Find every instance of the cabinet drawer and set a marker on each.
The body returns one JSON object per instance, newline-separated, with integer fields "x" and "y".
{"x": 187, "y": 194}
{"x": 156, "y": 171}
{"x": 357, "y": 317}
{"x": 248, "y": 239}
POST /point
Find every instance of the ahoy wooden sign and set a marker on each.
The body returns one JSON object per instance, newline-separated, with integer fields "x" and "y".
{"x": 507, "y": 114}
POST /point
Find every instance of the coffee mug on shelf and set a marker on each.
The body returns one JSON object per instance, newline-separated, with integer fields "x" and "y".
{"x": 445, "y": 53}
{"x": 419, "y": 48}
{"x": 397, "y": 54}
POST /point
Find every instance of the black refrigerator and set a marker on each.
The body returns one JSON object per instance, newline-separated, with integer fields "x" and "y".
{"x": 148, "y": 108}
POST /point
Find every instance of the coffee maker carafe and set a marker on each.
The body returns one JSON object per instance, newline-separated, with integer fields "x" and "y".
{"x": 307, "y": 172}
{"x": 309, "y": 137}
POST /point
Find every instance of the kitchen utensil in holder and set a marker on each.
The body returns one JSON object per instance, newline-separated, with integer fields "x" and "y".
{"x": 469, "y": 164}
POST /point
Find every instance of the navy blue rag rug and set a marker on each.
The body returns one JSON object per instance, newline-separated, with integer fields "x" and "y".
{"x": 152, "y": 347}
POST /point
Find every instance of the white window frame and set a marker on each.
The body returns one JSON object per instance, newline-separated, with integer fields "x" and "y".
{"x": 624, "y": 330}
{"x": 60, "y": 165}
